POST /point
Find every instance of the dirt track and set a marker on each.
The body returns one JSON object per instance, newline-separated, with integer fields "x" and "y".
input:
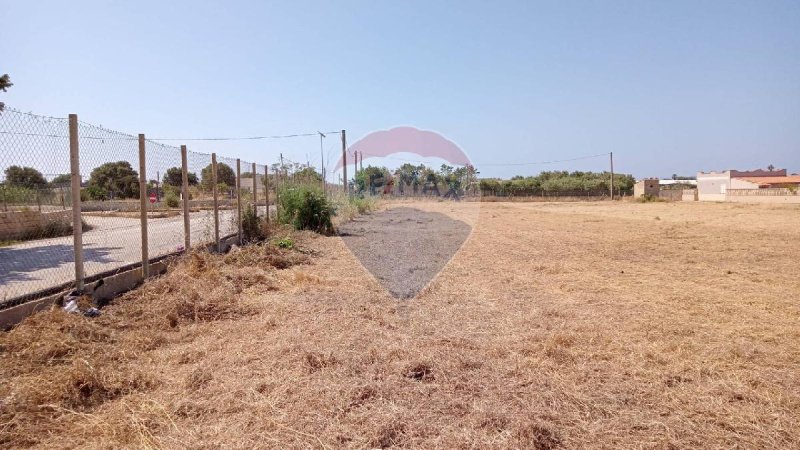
{"x": 404, "y": 248}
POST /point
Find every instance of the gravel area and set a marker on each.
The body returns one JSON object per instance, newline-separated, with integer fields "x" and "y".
{"x": 404, "y": 248}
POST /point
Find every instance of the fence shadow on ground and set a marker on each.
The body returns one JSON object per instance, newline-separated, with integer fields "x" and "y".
{"x": 19, "y": 264}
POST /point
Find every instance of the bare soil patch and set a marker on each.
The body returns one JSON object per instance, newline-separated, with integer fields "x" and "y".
{"x": 404, "y": 248}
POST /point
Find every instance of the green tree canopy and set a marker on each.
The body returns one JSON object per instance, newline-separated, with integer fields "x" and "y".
{"x": 308, "y": 174}
{"x": 119, "y": 178}
{"x": 371, "y": 177}
{"x": 225, "y": 175}
{"x": 174, "y": 177}
{"x": 5, "y": 83}
{"x": 26, "y": 177}
{"x": 62, "y": 180}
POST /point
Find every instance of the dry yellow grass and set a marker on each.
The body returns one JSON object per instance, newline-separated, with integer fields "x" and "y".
{"x": 590, "y": 325}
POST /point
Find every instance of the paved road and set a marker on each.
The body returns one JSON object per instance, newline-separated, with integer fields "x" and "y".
{"x": 113, "y": 242}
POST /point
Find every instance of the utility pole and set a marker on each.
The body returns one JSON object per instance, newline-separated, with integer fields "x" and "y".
{"x": 322, "y": 160}
{"x": 344, "y": 162}
{"x": 611, "y": 159}
{"x": 361, "y": 155}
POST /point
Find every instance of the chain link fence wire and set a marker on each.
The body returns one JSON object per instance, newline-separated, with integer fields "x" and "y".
{"x": 260, "y": 187}
{"x": 36, "y": 215}
{"x": 226, "y": 188}
{"x": 165, "y": 227}
{"x": 201, "y": 198}
{"x": 109, "y": 169}
{"x": 36, "y": 235}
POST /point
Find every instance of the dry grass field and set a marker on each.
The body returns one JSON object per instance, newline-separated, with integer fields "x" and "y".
{"x": 570, "y": 325}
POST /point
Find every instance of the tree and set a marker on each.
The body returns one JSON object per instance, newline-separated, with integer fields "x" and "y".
{"x": 430, "y": 180}
{"x": 371, "y": 178}
{"x": 308, "y": 174}
{"x": 770, "y": 167}
{"x": 408, "y": 175}
{"x": 26, "y": 177}
{"x": 225, "y": 175}
{"x": 5, "y": 83}
{"x": 174, "y": 177}
{"x": 118, "y": 178}
{"x": 62, "y": 180}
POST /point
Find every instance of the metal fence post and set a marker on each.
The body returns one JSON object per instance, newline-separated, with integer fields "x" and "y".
{"x": 143, "y": 205}
{"x": 239, "y": 198}
{"x": 77, "y": 224}
{"x": 216, "y": 200}
{"x": 187, "y": 231}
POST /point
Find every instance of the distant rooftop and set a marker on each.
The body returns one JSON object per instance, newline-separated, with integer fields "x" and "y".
{"x": 793, "y": 179}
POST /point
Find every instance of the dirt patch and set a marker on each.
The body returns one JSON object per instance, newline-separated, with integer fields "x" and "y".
{"x": 404, "y": 248}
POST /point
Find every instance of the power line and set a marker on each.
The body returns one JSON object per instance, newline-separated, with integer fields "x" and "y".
{"x": 133, "y": 138}
{"x": 498, "y": 164}
{"x": 248, "y": 138}
{"x": 545, "y": 162}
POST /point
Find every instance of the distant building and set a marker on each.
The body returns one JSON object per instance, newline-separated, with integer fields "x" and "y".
{"x": 647, "y": 186}
{"x": 714, "y": 186}
{"x": 677, "y": 182}
{"x": 247, "y": 183}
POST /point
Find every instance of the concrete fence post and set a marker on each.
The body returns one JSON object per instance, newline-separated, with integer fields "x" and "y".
{"x": 266, "y": 189}
{"x": 344, "y": 162}
{"x": 255, "y": 189}
{"x": 77, "y": 224}
{"x": 239, "y": 198}
{"x": 143, "y": 205}
{"x": 216, "y": 200}
{"x": 187, "y": 230}
{"x": 278, "y": 174}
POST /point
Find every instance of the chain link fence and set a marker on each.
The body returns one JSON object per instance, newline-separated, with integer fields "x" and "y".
{"x": 138, "y": 200}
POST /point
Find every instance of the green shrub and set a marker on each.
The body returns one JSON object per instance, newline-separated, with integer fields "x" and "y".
{"x": 646, "y": 198}
{"x": 305, "y": 208}
{"x": 363, "y": 205}
{"x": 172, "y": 200}
{"x": 253, "y": 228}
{"x": 287, "y": 243}
{"x": 94, "y": 193}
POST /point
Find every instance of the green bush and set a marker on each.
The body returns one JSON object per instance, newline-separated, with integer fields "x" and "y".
{"x": 364, "y": 204}
{"x": 94, "y": 193}
{"x": 646, "y": 198}
{"x": 287, "y": 243}
{"x": 172, "y": 200}
{"x": 253, "y": 229}
{"x": 305, "y": 208}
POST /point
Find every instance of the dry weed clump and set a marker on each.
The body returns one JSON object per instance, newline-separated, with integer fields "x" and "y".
{"x": 60, "y": 368}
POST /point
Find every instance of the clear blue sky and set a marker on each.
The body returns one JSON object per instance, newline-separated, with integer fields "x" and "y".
{"x": 668, "y": 86}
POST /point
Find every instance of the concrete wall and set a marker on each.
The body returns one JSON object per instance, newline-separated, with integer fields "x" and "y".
{"x": 674, "y": 195}
{"x": 689, "y": 195}
{"x": 133, "y": 205}
{"x": 712, "y": 186}
{"x": 773, "y": 195}
{"x": 18, "y": 224}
